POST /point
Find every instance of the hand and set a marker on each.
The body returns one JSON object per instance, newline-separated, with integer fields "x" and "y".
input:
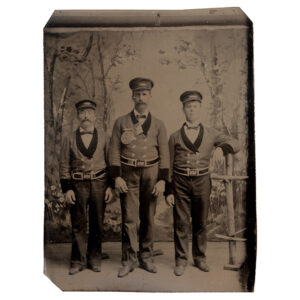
{"x": 120, "y": 185}
{"x": 108, "y": 195}
{"x": 219, "y": 157}
{"x": 170, "y": 200}
{"x": 159, "y": 188}
{"x": 70, "y": 197}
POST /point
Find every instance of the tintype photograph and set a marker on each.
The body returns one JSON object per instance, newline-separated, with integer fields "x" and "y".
{"x": 149, "y": 151}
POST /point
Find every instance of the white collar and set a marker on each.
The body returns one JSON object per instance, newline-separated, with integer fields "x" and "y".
{"x": 189, "y": 124}
{"x": 81, "y": 129}
{"x": 136, "y": 113}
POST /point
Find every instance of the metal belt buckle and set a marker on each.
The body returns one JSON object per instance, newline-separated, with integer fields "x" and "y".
{"x": 140, "y": 163}
{"x": 193, "y": 173}
{"x": 78, "y": 175}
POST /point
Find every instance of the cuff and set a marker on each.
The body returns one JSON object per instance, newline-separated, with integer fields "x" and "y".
{"x": 114, "y": 171}
{"x": 110, "y": 182}
{"x": 168, "y": 189}
{"x": 66, "y": 185}
{"x": 163, "y": 174}
{"x": 226, "y": 148}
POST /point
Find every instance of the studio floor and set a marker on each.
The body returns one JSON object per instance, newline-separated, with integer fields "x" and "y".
{"x": 217, "y": 280}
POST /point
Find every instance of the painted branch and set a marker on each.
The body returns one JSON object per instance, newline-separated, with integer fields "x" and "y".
{"x": 105, "y": 125}
{"x": 58, "y": 122}
{"x": 93, "y": 79}
{"x": 60, "y": 113}
{"x": 86, "y": 89}
{"x": 230, "y": 238}
{"x": 240, "y": 231}
{"x": 210, "y": 232}
{"x": 113, "y": 58}
{"x": 227, "y": 177}
{"x": 89, "y": 46}
{"x": 64, "y": 100}
{"x": 51, "y": 81}
{"x": 230, "y": 209}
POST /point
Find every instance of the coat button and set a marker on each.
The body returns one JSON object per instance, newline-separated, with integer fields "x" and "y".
{"x": 145, "y": 147}
{"x": 188, "y": 161}
{"x": 144, "y": 155}
{"x": 133, "y": 146}
{"x": 132, "y": 154}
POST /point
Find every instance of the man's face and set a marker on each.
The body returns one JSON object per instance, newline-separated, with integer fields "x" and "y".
{"x": 86, "y": 117}
{"x": 141, "y": 99}
{"x": 192, "y": 110}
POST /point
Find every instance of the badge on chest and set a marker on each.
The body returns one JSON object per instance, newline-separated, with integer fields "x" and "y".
{"x": 128, "y": 136}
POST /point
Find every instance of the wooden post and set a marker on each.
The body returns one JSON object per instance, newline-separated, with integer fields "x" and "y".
{"x": 228, "y": 179}
{"x": 230, "y": 213}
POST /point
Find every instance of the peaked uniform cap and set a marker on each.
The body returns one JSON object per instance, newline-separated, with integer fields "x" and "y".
{"x": 84, "y": 104}
{"x": 139, "y": 83}
{"x": 191, "y": 96}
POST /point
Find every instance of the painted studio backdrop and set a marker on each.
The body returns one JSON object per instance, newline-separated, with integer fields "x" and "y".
{"x": 98, "y": 65}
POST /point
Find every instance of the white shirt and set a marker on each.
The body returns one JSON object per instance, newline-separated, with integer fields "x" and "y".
{"x": 141, "y": 120}
{"x": 86, "y": 138}
{"x": 192, "y": 134}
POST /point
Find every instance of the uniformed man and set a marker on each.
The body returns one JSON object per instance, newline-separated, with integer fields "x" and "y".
{"x": 84, "y": 180}
{"x": 139, "y": 163}
{"x": 188, "y": 189}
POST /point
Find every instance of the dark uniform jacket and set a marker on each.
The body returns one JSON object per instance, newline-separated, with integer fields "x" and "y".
{"x": 75, "y": 156}
{"x": 185, "y": 154}
{"x": 152, "y": 143}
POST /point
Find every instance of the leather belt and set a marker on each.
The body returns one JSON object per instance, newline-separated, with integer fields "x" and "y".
{"x": 138, "y": 162}
{"x": 90, "y": 175}
{"x": 191, "y": 172}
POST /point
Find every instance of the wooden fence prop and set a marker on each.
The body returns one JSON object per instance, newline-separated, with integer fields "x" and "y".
{"x": 231, "y": 238}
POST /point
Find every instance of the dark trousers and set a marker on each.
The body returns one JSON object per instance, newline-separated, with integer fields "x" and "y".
{"x": 138, "y": 204}
{"x": 191, "y": 200}
{"x": 89, "y": 208}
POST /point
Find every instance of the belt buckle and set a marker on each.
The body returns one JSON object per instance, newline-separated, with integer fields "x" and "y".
{"x": 192, "y": 172}
{"x": 140, "y": 163}
{"x": 78, "y": 175}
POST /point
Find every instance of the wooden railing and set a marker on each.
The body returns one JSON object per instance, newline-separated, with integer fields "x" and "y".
{"x": 231, "y": 237}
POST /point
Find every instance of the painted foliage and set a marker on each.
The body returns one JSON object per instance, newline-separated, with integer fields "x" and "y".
{"x": 98, "y": 65}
